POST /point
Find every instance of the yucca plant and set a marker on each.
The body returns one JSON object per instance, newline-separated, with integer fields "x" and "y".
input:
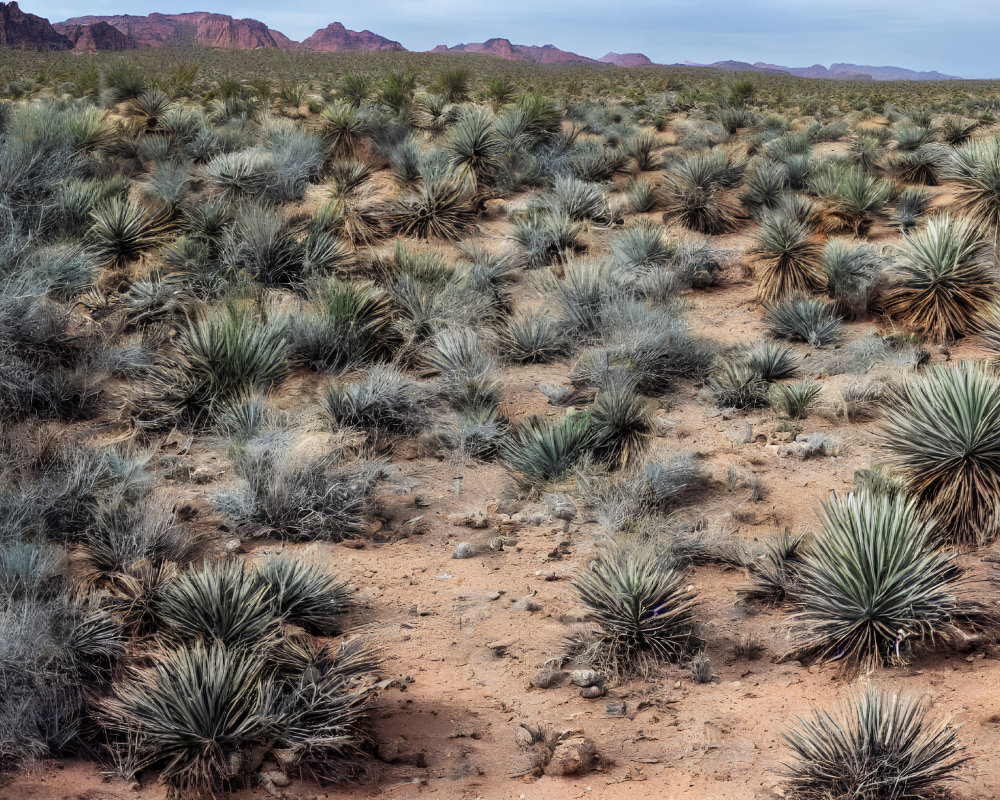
{"x": 975, "y": 167}
{"x": 766, "y": 184}
{"x": 941, "y": 437}
{"x": 811, "y": 320}
{"x": 304, "y": 594}
{"x": 641, "y": 604}
{"x": 852, "y": 275}
{"x": 771, "y": 360}
{"x": 195, "y": 716}
{"x": 540, "y": 450}
{"x": 622, "y": 424}
{"x": 922, "y": 165}
{"x": 787, "y": 259}
{"x": 473, "y": 145}
{"x": 696, "y": 192}
{"x": 443, "y": 207}
{"x": 736, "y": 384}
{"x": 642, "y": 195}
{"x": 911, "y": 205}
{"x": 348, "y": 176}
{"x": 644, "y": 149}
{"x": 860, "y": 199}
{"x": 122, "y": 231}
{"x": 530, "y": 338}
{"x": 883, "y": 746}
{"x": 792, "y": 400}
{"x": 342, "y": 129}
{"x": 872, "y": 587}
{"x": 221, "y": 602}
{"x": 641, "y": 245}
{"x": 230, "y": 352}
{"x": 956, "y": 130}
{"x": 944, "y": 280}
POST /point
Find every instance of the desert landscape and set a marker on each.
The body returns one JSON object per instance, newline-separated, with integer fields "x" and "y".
{"x": 490, "y": 421}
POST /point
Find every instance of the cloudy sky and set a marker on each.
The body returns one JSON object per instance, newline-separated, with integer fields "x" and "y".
{"x": 956, "y": 37}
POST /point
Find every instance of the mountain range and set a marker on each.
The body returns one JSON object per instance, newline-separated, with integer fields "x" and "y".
{"x": 93, "y": 33}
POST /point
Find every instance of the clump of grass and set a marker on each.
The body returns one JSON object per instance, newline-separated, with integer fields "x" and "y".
{"x": 873, "y": 587}
{"x": 911, "y": 205}
{"x": 852, "y": 275}
{"x": 944, "y": 281}
{"x": 386, "y": 401}
{"x": 641, "y": 605}
{"x": 531, "y": 338}
{"x": 810, "y": 320}
{"x": 622, "y": 425}
{"x": 774, "y": 570}
{"x": 882, "y": 747}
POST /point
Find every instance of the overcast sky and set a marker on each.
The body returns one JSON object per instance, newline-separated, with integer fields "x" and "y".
{"x": 957, "y": 37}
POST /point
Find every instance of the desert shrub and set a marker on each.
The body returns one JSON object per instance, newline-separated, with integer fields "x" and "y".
{"x": 792, "y": 400}
{"x": 195, "y": 714}
{"x": 123, "y": 534}
{"x": 852, "y": 275}
{"x": 956, "y": 130}
{"x": 911, "y": 205}
{"x": 348, "y": 177}
{"x": 443, "y": 207}
{"x": 975, "y": 167}
{"x": 642, "y": 196}
{"x": 304, "y": 594}
{"x": 298, "y": 497}
{"x": 349, "y": 326}
{"x": 766, "y": 184}
{"x": 938, "y": 434}
{"x": 813, "y": 321}
{"x": 622, "y": 425}
{"x": 923, "y": 164}
{"x": 944, "y": 280}
{"x": 643, "y": 148}
{"x": 696, "y": 193}
{"x": 122, "y": 231}
{"x": 545, "y": 236}
{"x": 787, "y": 259}
{"x": 474, "y": 146}
{"x": 542, "y": 449}
{"x": 386, "y": 401}
{"x": 859, "y": 200}
{"x": 641, "y": 245}
{"x": 531, "y": 338}
{"x": 342, "y": 129}
{"x": 594, "y": 162}
{"x": 771, "y": 360}
{"x": 736, "y": 384}
{"x": 222, "y": 603}
{"x": 642, "y": 607}
{"x": 277, "y": 251}
{"x": 773, "y": 571}
{"x": 883, "y": 746}
{"x": 872, "y": 586}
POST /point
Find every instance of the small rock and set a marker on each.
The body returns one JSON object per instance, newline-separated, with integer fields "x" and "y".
{"x": 470, "y": 519}
{"x": 524, "y": 737}
{"x": 232, "y": 545}
{"x": 614, "y": 709}
{"x": 585, "y": 677}
{"x": 464, "y": 550}
{"x": 530, "y": 604}
{"x": 499, "y": 647}
{"x": 420, "y": 501}
{"x": 575, "y": 754}
{"x": 547, "y": 678}
{"x": 592, "y": 692}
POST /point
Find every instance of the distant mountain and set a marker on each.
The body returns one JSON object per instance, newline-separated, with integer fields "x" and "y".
{"x": 502, "y": 48}
{"x": 335, "y": 37}
{"x": 840, "y": 72}
{"x": 98, "y": 36}
{"x": 626, "y": 59}
{"x": 28, "y": 31}
{"x": 197, "y": 27}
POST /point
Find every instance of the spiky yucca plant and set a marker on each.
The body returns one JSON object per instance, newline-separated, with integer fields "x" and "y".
{"x": 530, "y": 338}
{"x": 696, "y": 195}
{"x": 304, "y": 594}
{"x": 642, "y": 605}
{"x": 945, "y": 279}
{"x": 122, "y": 231}
{"x": 232, "y": 352}
{"x": 540, "y": 450}
{"x": 801, "y": 319}
{"x": 442, "y": 207}
{"x": 473, "y": 145}
{"x": 342, "y": 129}
{"x": 195, "y": 715}
{"x": 787, "y": 259}
{"x": 771, "y": 360}
{"x": 622, "y": 424}
{"x": 942, "y": 437}
{"x": 793, "y": 400}
{"x": 220, "y": 602}
{"x": 975, "y": 167}
{"x": 882, "y": 747}
{"x": 873, "y": 587}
